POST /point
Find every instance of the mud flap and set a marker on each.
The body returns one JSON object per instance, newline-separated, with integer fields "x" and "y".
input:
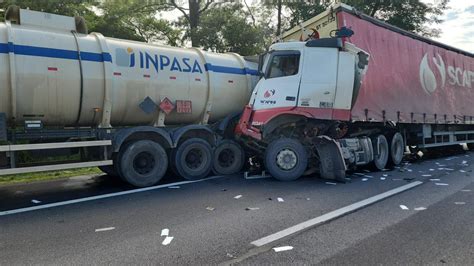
{"x": 331, "y": 161}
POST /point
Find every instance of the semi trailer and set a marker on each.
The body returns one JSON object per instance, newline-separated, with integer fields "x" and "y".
{"x": 352, "y": 92}
{"x": 346, "y": 90}
{"x": 132, "y": 109}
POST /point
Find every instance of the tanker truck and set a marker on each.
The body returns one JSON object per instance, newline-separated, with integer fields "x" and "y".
{"x": 324, "y": 105}
{"x": 133, "y": 109}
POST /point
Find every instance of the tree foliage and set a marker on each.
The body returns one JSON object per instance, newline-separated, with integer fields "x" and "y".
{"x": 412, "y": 15}
{"x": 225, "y": 26}
{"x": 227, "y": 29}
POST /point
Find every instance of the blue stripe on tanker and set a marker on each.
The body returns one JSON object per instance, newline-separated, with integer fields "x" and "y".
{"x": 230, "y": 70}
{"x": 99, "y": 57}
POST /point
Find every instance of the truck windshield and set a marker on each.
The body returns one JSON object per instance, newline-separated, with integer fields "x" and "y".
{"x": 282, "y": 65}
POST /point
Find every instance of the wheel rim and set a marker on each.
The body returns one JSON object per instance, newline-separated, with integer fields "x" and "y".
{"x": 144, "y": 163}
{"x": 286, "y": 159}
{"x": 226, "y": 158}
{"x": 194, "y": 159}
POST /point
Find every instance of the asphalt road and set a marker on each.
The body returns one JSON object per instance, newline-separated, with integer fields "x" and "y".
{"x": 210, "y": 226}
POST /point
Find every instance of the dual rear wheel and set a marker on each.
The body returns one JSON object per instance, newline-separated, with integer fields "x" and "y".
{"x": 388, "y": 152}
{"x": 143, "y": 163}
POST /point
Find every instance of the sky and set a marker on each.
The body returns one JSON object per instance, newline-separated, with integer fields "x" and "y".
{"x": 458, "y": 25}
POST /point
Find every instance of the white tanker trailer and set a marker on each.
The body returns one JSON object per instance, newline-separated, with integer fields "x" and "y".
{"x": 146, "y": 106}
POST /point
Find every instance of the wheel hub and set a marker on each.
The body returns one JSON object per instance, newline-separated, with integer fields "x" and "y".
{"x": 226, "y": 158}
{"x": 144, "y": 163}
{"x": 194, "y": 158}
{"x": 287, "y": 159}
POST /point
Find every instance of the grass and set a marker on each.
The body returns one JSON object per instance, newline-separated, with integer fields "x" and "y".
{"x": 42, "y": 176}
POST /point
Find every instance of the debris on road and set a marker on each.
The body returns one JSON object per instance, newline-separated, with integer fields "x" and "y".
{"x": 331, "y": 183}
{"x": 174, "y": 187}
{"x": 210, "y": 208}
{"x": 420, "y": 209}
{"x": 104, "y": 229}
{"x": 280, "y": 200}
{"x": 36, "y": 201}
{"x": 167, "y": 240}
{"x": 249, "y": 177}
{"x": 252, "y": 208}
{"x": 284, "y": 248}
{"x": 238, "y": 197}
{"x": 403, "y": 207}
{"x": 165, "y": 232}
{"x": 441, "y": 184}
{"x": 459, "y": 203}
{"x": 409, "y": 178}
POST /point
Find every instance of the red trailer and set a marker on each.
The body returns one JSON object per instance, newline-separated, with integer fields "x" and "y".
{"x": 323, "y": 104}
{"x": 410, "y": 79}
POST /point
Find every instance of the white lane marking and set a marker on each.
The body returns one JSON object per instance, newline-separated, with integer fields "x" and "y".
{"x": 332, "y": 215}
{"x": 238, "y": 197}
{"x": 441, "y": 184}
{"x": 420, "y": 209}
{"x": 280, "y": 200}
{"x": 435, "y": 179}
{"x": 165, "y": 232}
{"x": 459, "y": 203}
{"x": 174, "y": 187}
{"x": 104, "y": 229}
{"x": 167, "y": 240}
{"x": 331, "y": 183}
{"x": 466, "y": 190}
{"x": 36, "y": 201}
{"x": 403, "y": 207}
{"x": 280, "y": 249}
{"x": 110, "y": 195}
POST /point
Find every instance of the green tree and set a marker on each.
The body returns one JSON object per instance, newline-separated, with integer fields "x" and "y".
{"x": 137, "y": 20}
{"x": 192, "y": 16}
{"x": 67, "y": 8}
{"x": 411, "y": 15}
{"x": 227, "y": 29}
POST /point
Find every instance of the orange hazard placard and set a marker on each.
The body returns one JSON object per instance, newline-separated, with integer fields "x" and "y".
{"x": 184, "y": 107}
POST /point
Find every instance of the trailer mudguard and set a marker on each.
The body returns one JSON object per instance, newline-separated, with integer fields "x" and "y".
{"x": 143, "y": 132}
{"x": 200, "y": 131}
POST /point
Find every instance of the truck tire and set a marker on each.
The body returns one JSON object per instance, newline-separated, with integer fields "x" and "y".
{"x": 143, "y": 163}
{"x": 381, "y": 152}
{"x": 286, "y": 159}
{"x": 193, "y": 159}
{"x": 397, "y": 149}
{"x": 229, "y": 158}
